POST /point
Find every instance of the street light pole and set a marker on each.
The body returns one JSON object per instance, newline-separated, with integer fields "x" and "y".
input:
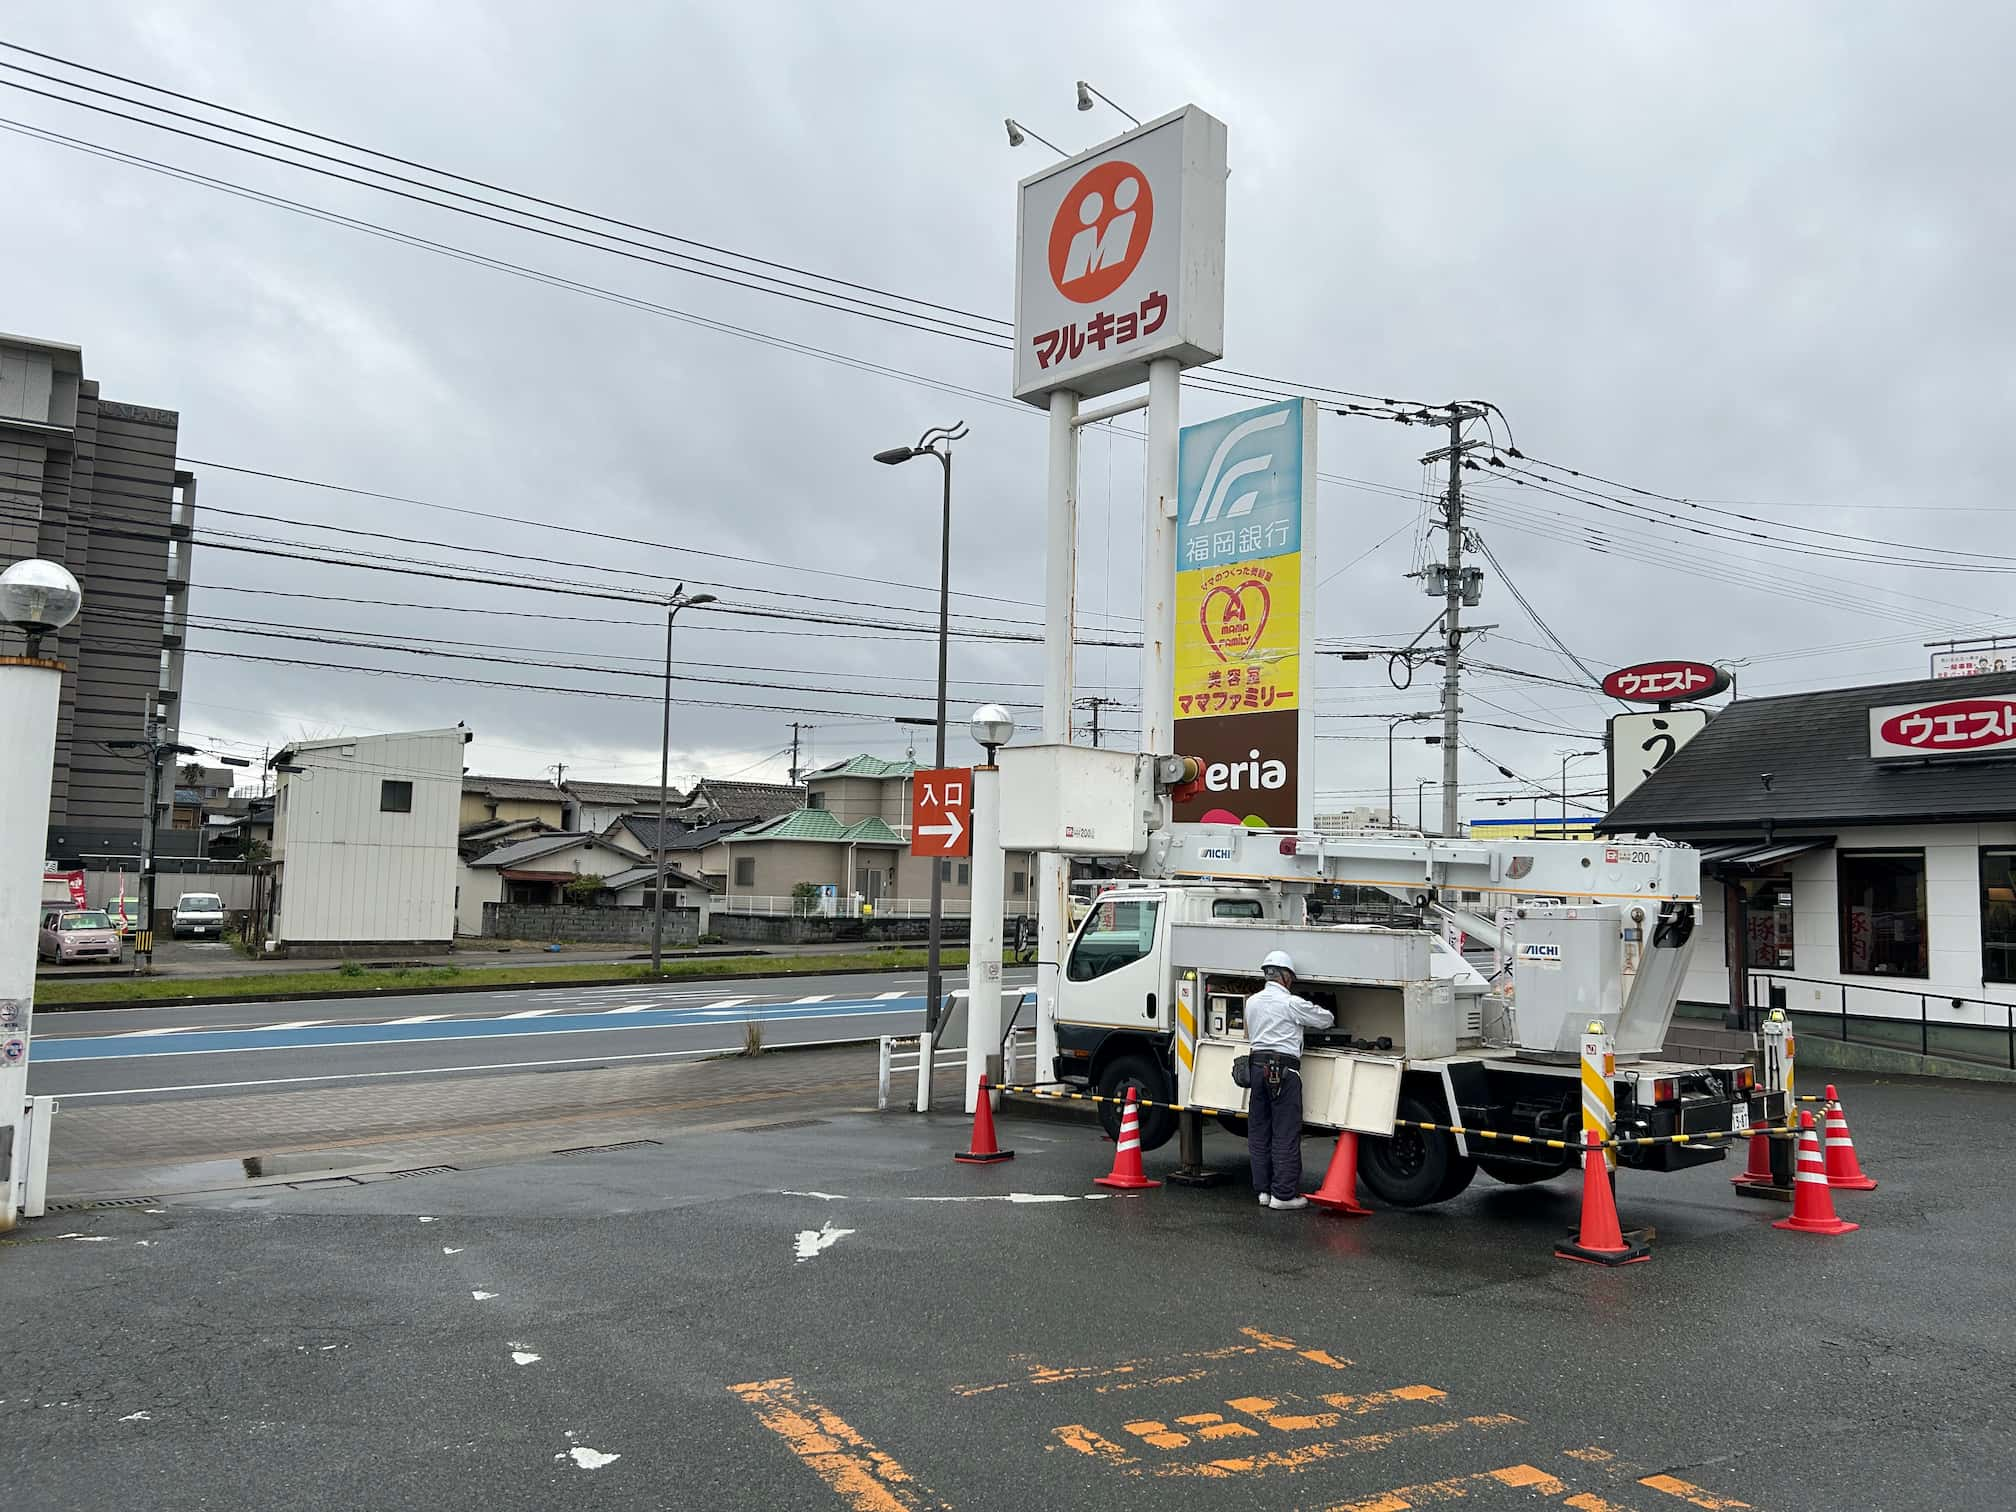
{"x": 1421, "y": 786}
{"x": 1566, "y": 757}
{"x": 936, "y": 442}
{"x": 680, "y": 599}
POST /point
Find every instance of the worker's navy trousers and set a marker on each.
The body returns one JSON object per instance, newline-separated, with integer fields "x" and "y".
{"x": 1274, "y": 1134}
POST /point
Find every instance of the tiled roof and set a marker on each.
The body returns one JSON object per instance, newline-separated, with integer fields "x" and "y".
{"x": 644, "y": 794}
{"x": 745, "y": 800}
{"x": 1815, "y": 748}
{"x": 680, "y": 837}
{"x": 866, "y": 766}
{"x": 617, "y": 881}
{"x": 545, "y": 845}
{"x": 819, "y": 824}
{"x": 526, "y": 788}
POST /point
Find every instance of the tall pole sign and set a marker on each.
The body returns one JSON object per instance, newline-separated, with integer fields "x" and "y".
{"x": 1245, "y": 546}
{"x": 1119, "y": 280}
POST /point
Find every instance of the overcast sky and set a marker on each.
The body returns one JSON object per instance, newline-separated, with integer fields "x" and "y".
{"x": 1728, "y": 252}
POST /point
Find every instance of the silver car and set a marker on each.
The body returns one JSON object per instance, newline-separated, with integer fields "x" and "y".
{"x": 77, "y": 934}
{"x": 198, "y": 914}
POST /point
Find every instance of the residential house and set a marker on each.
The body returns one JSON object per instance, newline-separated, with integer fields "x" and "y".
{"x": 364, "y": 834}
{"x": 480, "y": 839}
{"x": 535, "y": 871}
{"x": 489, "y": 799}
{"x": 701, "y": 850}
{"x": 638, "y": 888}
{"x": 200, "y": 792}
{"x": 598, "y": 805}
{"x": 713, "y": 800}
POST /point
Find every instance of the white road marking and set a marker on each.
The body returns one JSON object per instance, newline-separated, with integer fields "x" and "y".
{"x": 822, "y": 1196}
{"x": 87, "y": 1238}
{"x": 296, "y": 1024}
{"x": 889, "y": 997}
{"x": 820, "y": 997}
{"x": 419, "y": 1018}
{"x": 727, "y": 1003}
{"x": 589, "y": 1459}
{"x": 634, "y": 1008}
{"x": 1019, "y": 1197}
{"x": 147, "y": 1033}
{"x": 533, "y": 1013}
{"x": 429, "y": 1220}
{"x": 811, "y": 1241}
{"x": 138, "y": 1417}
{"x": 482, "y": 1296}
{"x": 524, "y": 1357}
{"x": 455, "y": 1251}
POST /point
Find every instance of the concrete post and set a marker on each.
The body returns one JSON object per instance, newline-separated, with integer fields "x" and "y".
{"x": 1158, "y": 560}
{"x": 1060, "y": 586}
{"x": 983, "y": 959}
{"x": 30, "y": 688}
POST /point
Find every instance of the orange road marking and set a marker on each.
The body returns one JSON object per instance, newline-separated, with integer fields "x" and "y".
{"x": 861, "y": 1475}
{"x": 1085, "y": 1441}
{"x": 1693, "y": 1495}
{"x": 1061, "y": 1375}
{"x": 1372, "y": 1401}
{"x": 1293, "y": 1461}
{"x": 1212, "y": 1425}
{"x": 1149, "y": 1431}
{"x": 1406, "y": 1498}
{"x": 1275, "y": 1341}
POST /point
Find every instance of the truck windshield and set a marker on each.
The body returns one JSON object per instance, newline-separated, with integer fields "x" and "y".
{"x": 1119, "y": 932}
{"x": 90, "y": 919}
{"x": 202, "y": 903}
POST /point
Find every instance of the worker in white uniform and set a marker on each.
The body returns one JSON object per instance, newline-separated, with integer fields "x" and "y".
{"x": 1275, "y": 1019}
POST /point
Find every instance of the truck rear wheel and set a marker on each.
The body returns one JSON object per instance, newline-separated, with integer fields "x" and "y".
{"x": 1414, "y": 1167}
{"x": 1151, "y": 1084}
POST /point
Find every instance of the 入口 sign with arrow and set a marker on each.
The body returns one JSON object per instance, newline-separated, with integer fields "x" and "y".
{"x": 941, "y": 812}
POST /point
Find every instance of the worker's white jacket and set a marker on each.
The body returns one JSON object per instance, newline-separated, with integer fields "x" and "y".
{"x": 1276, "y": 1017}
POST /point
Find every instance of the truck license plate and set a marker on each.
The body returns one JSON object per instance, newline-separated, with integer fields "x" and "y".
{"x": 1739, "y": 1117}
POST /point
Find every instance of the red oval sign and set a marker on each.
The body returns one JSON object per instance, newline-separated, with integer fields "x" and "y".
{"x": 1965, "y": 724}
{"x": 1665, "y": 681}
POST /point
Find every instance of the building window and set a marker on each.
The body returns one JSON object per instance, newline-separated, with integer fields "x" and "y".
{"x": 815, "y": 800}
{"x": 1018, "y": 884}
{"x": 1883, "y": 913}
{"x": 1998, "y": 914}
{"x": 1767, "y": 922}
{"x": 395, "y": 797}
{"x": 944, "y": 871}
{"x": 745, "y": 871}
{"x": 965, "y": 873}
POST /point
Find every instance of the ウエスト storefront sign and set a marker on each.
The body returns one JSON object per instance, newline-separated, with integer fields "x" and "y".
{"x": 1957, "y": 727}
{"x": 1665, "y": 681}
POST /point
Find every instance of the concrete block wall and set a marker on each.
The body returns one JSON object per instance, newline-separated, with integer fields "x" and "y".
{"x": 587, "y": 926}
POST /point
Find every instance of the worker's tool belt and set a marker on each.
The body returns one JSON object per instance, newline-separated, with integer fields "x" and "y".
{"x": 1270, "y": 1066}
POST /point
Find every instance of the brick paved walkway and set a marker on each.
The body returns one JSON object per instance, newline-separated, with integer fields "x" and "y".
{"x": 188, "y": 1144}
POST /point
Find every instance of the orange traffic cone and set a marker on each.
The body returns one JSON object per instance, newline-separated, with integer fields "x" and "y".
{"x": 1127, "y": 1174}
{"x": 1843, "y": 1169}
{"x": 1758, "y": 1172}
{"x": 1601, "y": 1240}
{"x": 1339, "y": 1192}
{"x": 1812, "y": 1204}
{"x": 984, "y": 1150}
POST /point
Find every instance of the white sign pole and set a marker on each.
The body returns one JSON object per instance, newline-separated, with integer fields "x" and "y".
{"x": 1158, "y": 560}
{"x": 29, "y": 690}
{"x": 983, "y": 955}
{"x": 1060, "y": 589}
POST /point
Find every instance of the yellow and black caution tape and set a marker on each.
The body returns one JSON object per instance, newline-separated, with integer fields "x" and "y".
{"x": 1768, "y": 1131}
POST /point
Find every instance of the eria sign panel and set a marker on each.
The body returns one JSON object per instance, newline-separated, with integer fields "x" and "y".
{"x": 1955, "y": 727}
{"x": 1640, "y": 744}
{"x": 1120, "y": 257}
{"x": 1665, "y": 681}
{"x": 1245, "y": 511}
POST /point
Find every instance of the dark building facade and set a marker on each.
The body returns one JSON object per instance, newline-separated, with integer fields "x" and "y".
{"x": 91, "y": 483}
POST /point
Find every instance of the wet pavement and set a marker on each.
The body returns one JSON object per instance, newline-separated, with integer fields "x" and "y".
{"x": 798, "y": 1317}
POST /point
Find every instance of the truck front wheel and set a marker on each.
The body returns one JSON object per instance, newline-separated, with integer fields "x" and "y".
{"x": 1151, "y": 1084}
{"x": 1414, "y": 1167}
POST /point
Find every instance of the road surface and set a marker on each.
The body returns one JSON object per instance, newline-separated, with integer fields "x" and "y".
{"x": 181, "y": 1051}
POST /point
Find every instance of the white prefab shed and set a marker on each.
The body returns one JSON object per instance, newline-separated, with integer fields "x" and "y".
{"x": 364, "y": 832}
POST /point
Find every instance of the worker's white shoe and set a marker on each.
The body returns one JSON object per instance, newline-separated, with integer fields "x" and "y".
{"x": 1297, "y": 1201}
{"x": 1266, "y": 1199}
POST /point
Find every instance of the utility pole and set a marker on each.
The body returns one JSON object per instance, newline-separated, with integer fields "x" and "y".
{"x": 1457, "y": 589}
{"x": 794, "y": 752}
{"x": 152, "y": 749}
{"x": 1095, "y": 704}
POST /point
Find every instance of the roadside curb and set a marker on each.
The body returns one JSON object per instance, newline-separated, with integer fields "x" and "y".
{"x": 442, "y": 989}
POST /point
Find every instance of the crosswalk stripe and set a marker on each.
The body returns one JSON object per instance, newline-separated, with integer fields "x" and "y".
{"x": 820, "y": 997}
{"x": 729, "y": 1003}
{"x": 634, "y": 1008}
{"x": 889, "y": 997}
{"x": 532, "y": 1013}
{"x": 419, "y": 1018}
{"x": 146, "y": 1033}
{"x": 300, "y": 1024}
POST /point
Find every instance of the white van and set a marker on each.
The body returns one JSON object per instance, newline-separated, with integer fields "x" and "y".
{"x": 197, "y": 914}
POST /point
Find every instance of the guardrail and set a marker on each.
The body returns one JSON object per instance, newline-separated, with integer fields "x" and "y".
{"x": 1847, "y": 1004}
{"x": 900, "y": 1055}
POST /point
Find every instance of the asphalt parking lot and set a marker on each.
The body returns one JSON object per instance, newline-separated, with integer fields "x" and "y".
{"x": 836, "y": 1315}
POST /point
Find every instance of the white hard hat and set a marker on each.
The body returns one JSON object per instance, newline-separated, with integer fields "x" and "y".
{"x": 1278, "y": 959}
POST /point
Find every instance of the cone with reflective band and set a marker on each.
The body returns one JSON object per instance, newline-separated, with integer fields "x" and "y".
{"x": 1758, "y": 1172}
{"x": 1339, "y": 1192}
{"x": 983, "y": 1151}
{"x": 1127, "y": 1174}
{"x": 1600, "y": 1241}
{"x": 1812, "y": 1203}
{"x": 1844, "y": 1171}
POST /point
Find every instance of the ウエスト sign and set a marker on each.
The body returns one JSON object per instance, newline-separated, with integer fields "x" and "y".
{"x": 1665, "y": 681}
{"x": 1957, "y": 727}
{"x": 1120, "y": 258}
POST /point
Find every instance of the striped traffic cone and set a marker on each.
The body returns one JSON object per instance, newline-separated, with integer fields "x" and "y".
{"x": 1339, "y": 1192}
{"x": 1812, "y": 1204}
{"x": 1843, "y": 1169}
{"x": 1127, "y": 1174}
{"x": 982, "y": 1148}
{"x": 1758, "y": 1172}
{"x": 1600, "y": 1240}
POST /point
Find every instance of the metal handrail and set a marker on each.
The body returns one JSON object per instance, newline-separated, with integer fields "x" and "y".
{"x": 1753, "y": 1010}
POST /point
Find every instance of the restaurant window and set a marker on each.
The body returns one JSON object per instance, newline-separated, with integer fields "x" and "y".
{"x": 1998, "y": 913}
{"x": 1767, "y": 922}
{"x": 1883, "y": 913}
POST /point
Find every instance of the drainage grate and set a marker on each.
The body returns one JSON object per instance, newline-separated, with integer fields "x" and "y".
{"x": 789, "y": 1123}
{"x": 421, "y": 1171}
{"x": 108, "y": 1202}
{"x": 628, "y": 1144}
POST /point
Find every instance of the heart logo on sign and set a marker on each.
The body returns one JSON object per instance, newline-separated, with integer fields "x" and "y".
{"x": 1232, "y": 628}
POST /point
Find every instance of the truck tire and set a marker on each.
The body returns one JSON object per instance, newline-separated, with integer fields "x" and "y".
{"x": 1414, "y": 1167}
{"x": 1151, "y": 1084}
{"x": 1522, "y": 1172}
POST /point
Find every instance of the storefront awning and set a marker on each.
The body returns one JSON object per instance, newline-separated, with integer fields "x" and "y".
{"x": 1748, "y": 857}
